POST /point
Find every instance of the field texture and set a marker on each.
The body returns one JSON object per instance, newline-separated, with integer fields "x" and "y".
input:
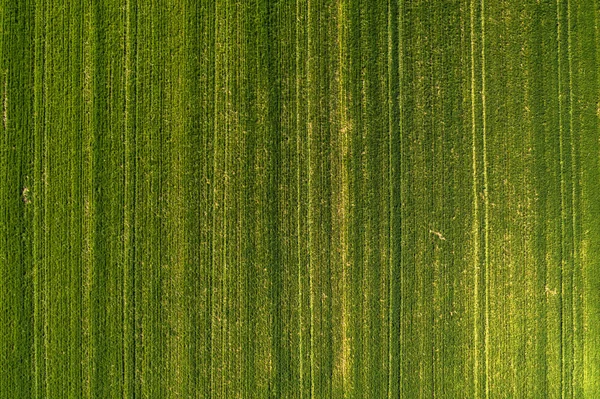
{"x": 299, "y": 199}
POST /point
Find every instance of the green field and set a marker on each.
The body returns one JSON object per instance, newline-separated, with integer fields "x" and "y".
{"x": 299, "y": 199}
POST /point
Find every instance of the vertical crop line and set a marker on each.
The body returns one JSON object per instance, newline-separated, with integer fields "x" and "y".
{"x": 562, "y": 199}
{"x": 401, "y": 134}
{"x": 486, "y": 205}
{"x": 5, "y": 103}
{"x": 592, "y": 277}
{"x": 129, "y": 252}
{"x": 390, "y": 196}
{"x": 224, "y": 303}
{"x": 125, "y": 213}
{"x": 309, "y": 218}
{"x": 573, "y": 196}
{"x": 162, "y": 185}
{"x": 344, "y": 172}
{"x": 431, "y": 104}
{"x": 475, "y": 227}
{"x": 298, "y": 198}
{"x": 79, "y": 212}
{"x": 89, "y": 220}
{"x": 45, "y": 206}
{"x": 39, "y": 209}
{"x": 213, "y": 191}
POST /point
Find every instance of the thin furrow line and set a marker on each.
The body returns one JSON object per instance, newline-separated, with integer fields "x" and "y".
{"x": 38, "y": 247}
{"x": 225, "y": 131}
{"x": 475, "y": 227}
{"x": 224, "y": 302}
{"x": 486, "y": 205}
{"x": 431, "y": 107}
{"x": 562, "y": 201}
{"x": 5, "y": 105}
{"x": 310, "y": 203}
{"x": 88, "y": 64}
{"x": 127, "y": 241}
{"x": 592, "y": 277}
{"x": 239, "y": 207}
{"x": 344, "y": 172}
{"x": 163, "y": 242}
{"x": 131, "y": 87}
{"x": 573, "y": 196}
{"x": 213, "y": 189}
{"x": 401, "y": 175}
{"x": 390, "y": 197}
{"x": 45, "y": 207}
{"x": 81, "y": 211}
{"x": 298, "y": 207}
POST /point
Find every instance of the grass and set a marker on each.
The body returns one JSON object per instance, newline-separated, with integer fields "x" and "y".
{"x": 299, "y": 199}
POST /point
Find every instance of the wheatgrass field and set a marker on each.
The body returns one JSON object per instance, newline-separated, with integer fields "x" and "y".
{"x": 299, "y": 199}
